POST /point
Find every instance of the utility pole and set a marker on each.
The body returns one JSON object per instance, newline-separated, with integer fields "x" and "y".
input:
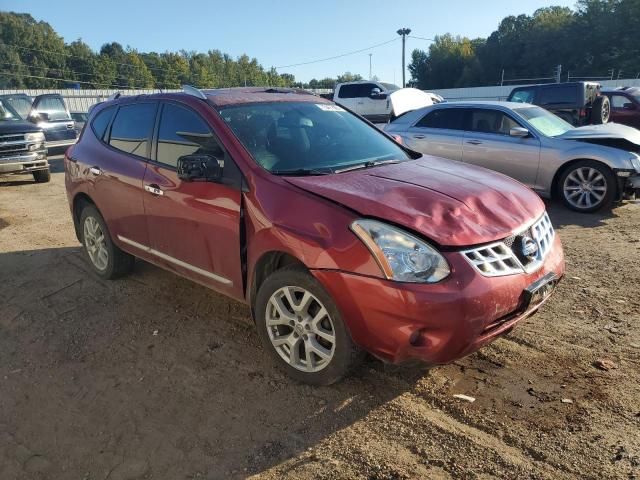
{"x": 370, "y": 77}
{"x": 403, "y": 32}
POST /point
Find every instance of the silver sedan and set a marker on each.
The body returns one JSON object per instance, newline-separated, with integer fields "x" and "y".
{"x": 587, "y": 167}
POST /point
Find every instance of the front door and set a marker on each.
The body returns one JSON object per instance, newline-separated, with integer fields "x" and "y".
{"x": 487, "y": 143}
{"x": 194, "y": 227}
{"x": 624, "y": 110}
{"x": 59, "y": 126}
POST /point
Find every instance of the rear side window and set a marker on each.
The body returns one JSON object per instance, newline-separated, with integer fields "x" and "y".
{"x": 132, "y": 127}
{"x": 54, "y": 107}
{"x": 101, "y": 122}
{"x": 183, "y": 132}
{"x": 349, "y": 91}
{"x": 558, "y": 95}
{"x": 445, "y": 118}
{"x": 522, "y": 96}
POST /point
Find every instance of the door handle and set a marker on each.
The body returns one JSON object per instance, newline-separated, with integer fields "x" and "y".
{"x": 474, "y": 142}
{"x": 419, "y": 136}
{"x": 154, "y": 189}
{"x": 96, "y": 170}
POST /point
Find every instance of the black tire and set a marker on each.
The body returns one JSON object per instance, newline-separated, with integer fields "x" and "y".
{"x": 346, "y": 354}
{"x": 600, "y": 110}
{"x": 119, "y": 263}
{"x": 42, "y": 176}
{"x": 608, "y": 181}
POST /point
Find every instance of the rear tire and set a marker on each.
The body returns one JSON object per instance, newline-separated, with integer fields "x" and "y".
{"x": 42, "y": 176}
{"x": 105, "y": 258}
{"x": 600, "y": 110}
{"x": 306, "y": 337}
{"x": 587, "y": 186}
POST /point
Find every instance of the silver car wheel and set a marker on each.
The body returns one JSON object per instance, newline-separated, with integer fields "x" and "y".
{"x": 95, "y": 243}
{"x": 300, "y": 329}
{"x": 585, "y": 187}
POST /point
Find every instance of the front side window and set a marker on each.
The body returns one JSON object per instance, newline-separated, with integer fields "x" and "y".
{"x": 491, "y": 121}
{"x": 291, "y": 136}
{"x": 54, "y": 107}
{"x": 619, "y": 101}
{"x": 443, "y": 118}
{"x": 522, "y": 96}
{"x": 132, "y": 127}
{"x": 184, "y": 132}
{"x": 544, "y": 121}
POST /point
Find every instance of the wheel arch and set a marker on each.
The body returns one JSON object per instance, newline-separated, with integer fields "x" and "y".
{"x": 79, "y": 202}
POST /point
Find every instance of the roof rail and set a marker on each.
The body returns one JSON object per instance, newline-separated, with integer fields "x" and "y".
{"x": 193, "y": 91}
{"x": 114, "y": 96}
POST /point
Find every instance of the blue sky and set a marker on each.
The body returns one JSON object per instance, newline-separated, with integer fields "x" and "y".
{"x": 278, "y": 32}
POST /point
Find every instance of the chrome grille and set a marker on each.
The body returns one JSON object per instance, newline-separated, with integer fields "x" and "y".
{"x": 498, "y": 259}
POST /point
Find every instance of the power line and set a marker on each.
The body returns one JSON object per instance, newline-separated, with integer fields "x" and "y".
{"x": 339, "y": 56}
{"x": 422, "y": 38}
{"x": 108, "y": 85}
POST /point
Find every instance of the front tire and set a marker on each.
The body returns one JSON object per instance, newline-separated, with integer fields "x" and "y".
{"x": 105, "y": 258}
{"x": 587, "y": 186}
{"x": 302, "y": 329}
{"x": 600, "y": 110}
{"x": 42, "y": 176}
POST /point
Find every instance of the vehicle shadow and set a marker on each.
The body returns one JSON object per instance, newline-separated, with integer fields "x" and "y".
{"x": 561, "y": 216}
{"x": 154, "y": 374}
{"x": 56, "y": 165}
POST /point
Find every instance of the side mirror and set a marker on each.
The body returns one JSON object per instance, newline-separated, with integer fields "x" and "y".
{"x": 519, "y": 132}
{"x": 377, "y": 94}
{"x": 36, "y": 117}
{"x": 199, "y": 167}
{"x": 629, "y": 106}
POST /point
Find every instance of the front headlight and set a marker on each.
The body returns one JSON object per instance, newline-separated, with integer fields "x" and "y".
{"x": 401, "y": 256}
{"x": 635, "y": 161}
{"x": 34, "y": 137}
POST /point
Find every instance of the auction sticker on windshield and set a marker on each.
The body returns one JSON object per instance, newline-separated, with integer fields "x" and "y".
{"x": 329, "y": 108}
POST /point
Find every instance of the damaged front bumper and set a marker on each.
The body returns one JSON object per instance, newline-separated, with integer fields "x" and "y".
{"x": 628, "y": 184}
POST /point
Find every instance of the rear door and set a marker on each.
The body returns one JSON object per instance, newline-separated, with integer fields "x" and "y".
{"x": 60, "y": 127}
{"x": 374, "y": 109}
{"x": 439, "y": 132}
{"x": 194, "y": 227}
{"x": 487, "y": 143}
{"x": 348, "y": 96}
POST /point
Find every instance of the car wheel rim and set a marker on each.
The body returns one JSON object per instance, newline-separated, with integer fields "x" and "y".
{"x": 606, "y": 110}
{"x": 585, "y": 187}
{"x": 300, "y": 329}
{"x": 95, "y": 243}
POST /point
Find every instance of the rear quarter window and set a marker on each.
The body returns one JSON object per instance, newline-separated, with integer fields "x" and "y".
{"x": 443, "y": 118}
{"x": 558, "y": 95}
{"x": 101, "y": 121}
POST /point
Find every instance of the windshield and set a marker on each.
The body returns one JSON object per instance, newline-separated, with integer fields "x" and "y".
{"x": 544, "y": 121}
{"x": 20, "y": 105}
{"x": 389, "y": 86}
{"x": 6, "y": 113}
{"x": 304, "y": 137}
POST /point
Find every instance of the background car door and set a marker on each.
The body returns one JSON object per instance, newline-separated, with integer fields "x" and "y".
{"x": 116, "y": 173}
{"x": 624, "y": 110}
{"x": 487, "y": 143}
{"x": 439, "y": 132}
{"x": 373, "y": 108}
{"x": 194, "y": 227}
{"x": 60, "y": 126}
{"x": 348, "y": 96}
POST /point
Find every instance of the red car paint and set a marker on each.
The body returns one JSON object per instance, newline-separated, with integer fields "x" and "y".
{"x": 449, "y": 204}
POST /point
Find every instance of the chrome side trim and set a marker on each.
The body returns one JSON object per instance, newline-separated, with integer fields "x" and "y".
{"x": 175, "y": 261}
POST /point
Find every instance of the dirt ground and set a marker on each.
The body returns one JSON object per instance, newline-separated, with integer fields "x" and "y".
{"x": 156, "y": 377}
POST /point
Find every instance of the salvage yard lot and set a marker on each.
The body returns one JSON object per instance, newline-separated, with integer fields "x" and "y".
{"x": 153, "y": 376}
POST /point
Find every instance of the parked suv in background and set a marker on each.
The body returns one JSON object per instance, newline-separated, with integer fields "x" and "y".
{"x": 49, "y": 112}
{"x": 578, "y": 103}
{"x": 340, "y": 239}
{"x": 22, "y": 147}
{"x": 625, "y": 105}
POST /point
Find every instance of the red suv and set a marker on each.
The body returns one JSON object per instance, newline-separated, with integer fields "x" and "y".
{"x": 340, "y": 239}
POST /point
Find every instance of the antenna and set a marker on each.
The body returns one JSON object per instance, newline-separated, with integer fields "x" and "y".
{"x": 193, "y": 91}
{"x": 114, "y": 96}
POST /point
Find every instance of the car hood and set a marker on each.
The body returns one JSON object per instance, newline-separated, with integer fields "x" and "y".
{"x": 8, "y": 127}
{"x": 449, "y": 202}
{"x": 407, "y": 99}
{"x": 608, "y": 130}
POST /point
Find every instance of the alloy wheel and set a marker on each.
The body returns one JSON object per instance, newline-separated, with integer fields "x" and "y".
{"x": 585, "y": 187}
{"x": 300, "y": 329}
{"x": 95, "y": 243}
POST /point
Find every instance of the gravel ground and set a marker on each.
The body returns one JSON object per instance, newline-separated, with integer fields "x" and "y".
{"x": 156, "y": 377}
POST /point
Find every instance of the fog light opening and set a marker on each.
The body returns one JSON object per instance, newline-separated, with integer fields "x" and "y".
{"x": 419, "y": 338}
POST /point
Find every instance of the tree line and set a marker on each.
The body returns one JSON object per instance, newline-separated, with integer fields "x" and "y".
{"x": 598, "y": 38}
{"x": 33, "y": 55}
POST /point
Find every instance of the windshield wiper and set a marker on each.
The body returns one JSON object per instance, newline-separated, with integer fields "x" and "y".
{"x": 368, "y": 164}
{"x": 300, "y": 172}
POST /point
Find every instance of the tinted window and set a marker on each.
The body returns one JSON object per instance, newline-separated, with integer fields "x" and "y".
{"x": 522, "y": 96}
{"x": 54, "y": 107}
{"x": 558, "y": 95}
{"x": 131, "y": 130}
{"x": 491, "y": 121}
{"x": 349, "y": 91}
{"x": 183, "y": 132}
{"x": 101, "y": 122}
{"x": 365, "y": 89}
{"x": 448, "y": 118}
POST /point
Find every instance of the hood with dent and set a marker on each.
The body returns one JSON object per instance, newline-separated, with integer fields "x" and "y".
{"x": 407, "y": 99}
{"x": 449, "y": 202}
{"x": 608, "y": 130}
